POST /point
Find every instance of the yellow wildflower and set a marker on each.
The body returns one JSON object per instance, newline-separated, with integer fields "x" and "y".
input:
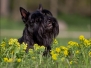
{"x": 70, "y": 42}
{"x": 54, "y": 56}
{"x": 66, "y": 52}
{"x": 3, "y": 44}
{"x": 81, "y": 37}
{"x": 86, "y": 42}
{"x": 5, "y": 59}
{"x": 42, "y": 47}
{"x": 55, "y": 41}
{"x": 77, "y": 52}
{"x": 63, "y": 48}
{"x": 36, "y": 47}
{"x": 19, "y": 60}
{"x": 11, "y": 41}
{"x": 71, "y": 62}
{"x": 18, "y": 44}
{"x": 89, "y": 54}
{"x": 58, "y": 50}
{"x": 24, "y": 46}
{"x": 10, "y": 60}
{"x": 63, "y": 58}
{"x": 33, "y": 58}
{"x": 31, "y": 51}
{"x": 52, "y": 52}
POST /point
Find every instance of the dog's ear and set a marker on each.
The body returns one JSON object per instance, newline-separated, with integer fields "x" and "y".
{"x": 23, "y": 12}
{"x": 55, "y": 27}
{"x": 46, "y": 12}
{"x": 40, "y": 7}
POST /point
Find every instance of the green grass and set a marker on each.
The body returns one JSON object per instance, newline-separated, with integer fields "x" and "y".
{"x": 76, "y": 54}
{"x": 61, "y": 41}
{"x": 10, "y": 24}
{"x": 76, "y": 22}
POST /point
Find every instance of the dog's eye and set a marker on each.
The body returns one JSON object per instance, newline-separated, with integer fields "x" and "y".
{"x": 49, "y": 20}
{"x": 32, "y": 20}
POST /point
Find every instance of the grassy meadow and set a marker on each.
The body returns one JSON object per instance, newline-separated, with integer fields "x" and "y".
{"x": 65, "y": 53}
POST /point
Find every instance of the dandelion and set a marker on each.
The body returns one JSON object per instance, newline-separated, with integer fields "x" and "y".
{"x": 19, "y": 60}
{"x": 54, "y": 56}
{"x": 81, "y": 38}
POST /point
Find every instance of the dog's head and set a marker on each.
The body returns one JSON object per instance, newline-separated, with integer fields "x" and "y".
{"x": 50, "y": 24}
{"x": 32, "y": 20}
{"x": 40, "y": 20}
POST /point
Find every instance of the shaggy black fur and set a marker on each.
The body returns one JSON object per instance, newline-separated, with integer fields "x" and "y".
{"x": 40, "y": 27}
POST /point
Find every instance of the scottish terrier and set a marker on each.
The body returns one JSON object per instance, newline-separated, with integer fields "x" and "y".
{"x": 40, "y": 27}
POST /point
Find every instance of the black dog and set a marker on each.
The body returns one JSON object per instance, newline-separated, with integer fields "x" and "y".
{"x": 40, "y": 27}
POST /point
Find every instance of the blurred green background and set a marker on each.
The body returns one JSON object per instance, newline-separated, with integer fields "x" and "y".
{"x": 74, "y": 17}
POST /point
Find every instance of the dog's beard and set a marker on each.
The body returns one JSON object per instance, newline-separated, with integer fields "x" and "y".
{"x": 46, "y": 31}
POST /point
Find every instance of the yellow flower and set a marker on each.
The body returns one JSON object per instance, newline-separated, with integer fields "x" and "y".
{"x": 63, "y": 48}
{"x": 55, "y": 41}
{"x": 63, "y": 58}
{"x": 58, "y": 50}
{"x": 66, "y": 53}
{"x": 89, "y": 54}
{"x": 71, "y": 62}
{"x": 71, "y": 43}
{"x": 11, "y": 41}
{"x": 77, "y": 52}
{"x": 81, "y": 37}
{"x": 10, "y": 60}
{"x": 5, "y": 59}
{"x": 3, "y": 44}
{"x": 52, "y": 52}
{"x": 33, "y": 58}
{"x": 24, "y": 46}
{"x": 31, "y": 51}
{"x": 36, "y": 47}
{"x": 19, "y": 60}
{"x": 42, "y": 47}
{"x": 54, "y": 56}
{"x": 86, "y": 42}
{"x": 18, "y": 44}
